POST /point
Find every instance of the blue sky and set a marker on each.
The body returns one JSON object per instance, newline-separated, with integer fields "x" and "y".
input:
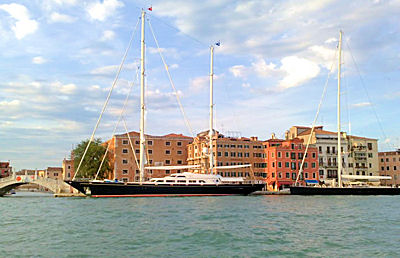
{"x": 59, "y": 58}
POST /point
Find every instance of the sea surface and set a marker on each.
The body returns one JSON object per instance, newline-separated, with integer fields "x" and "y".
{"x": 39, "y": 225}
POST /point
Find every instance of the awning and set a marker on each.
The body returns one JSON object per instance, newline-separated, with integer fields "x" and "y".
{"x": 312, "y": 181}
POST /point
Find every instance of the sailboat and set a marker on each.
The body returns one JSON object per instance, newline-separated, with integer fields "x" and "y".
{"x": 178, "y": 184}
{"x": 340, "y": 189}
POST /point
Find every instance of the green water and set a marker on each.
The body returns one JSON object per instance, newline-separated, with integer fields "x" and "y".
{"x": 242, "y": 226}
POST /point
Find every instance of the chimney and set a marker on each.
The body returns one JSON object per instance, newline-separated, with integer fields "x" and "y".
{"x": 254, "y": 138}
{"x": 287, "y": 135}
{"x": 273, "y": 136}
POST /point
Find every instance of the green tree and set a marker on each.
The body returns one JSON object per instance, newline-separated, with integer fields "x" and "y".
{"x": 92, "y": 159}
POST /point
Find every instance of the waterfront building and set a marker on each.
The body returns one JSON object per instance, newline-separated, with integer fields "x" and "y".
{"x": 54, "y": 173}
{"x": 68, "y": 169}
{"x": 359, "y": 154}
{"x": 166, "y": 150}
{"x": 389, "y": 165}
{"x": 363, "y": 156}
{"x": 228, "y": 151}
{"x": 283, "y": 160}
{"x": 5, "y": 169}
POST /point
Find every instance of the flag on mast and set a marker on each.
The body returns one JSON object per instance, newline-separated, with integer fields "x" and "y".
{"x": 150, "y": 8}
{"x": 218, "y": 43}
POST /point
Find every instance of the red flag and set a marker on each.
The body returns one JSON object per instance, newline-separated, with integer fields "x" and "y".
{"x": 150, "y": 8}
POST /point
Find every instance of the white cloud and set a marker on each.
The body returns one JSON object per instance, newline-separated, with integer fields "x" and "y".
{"x": 101, "y": 11}
{"x": 66, "y": 2}
{"x": 108, "y": 35}
{"x": 23, "y": 25}
{"x": 38, "y": 60}
{"x": 10, "y": 104}
{"x": 239, "y": 71}
{"x": 298, "y": 70}
{"x": 199, "y": 83}
{"x": 111, "y": 69}
{"x": 293, "y": 71}
{"x": 362, "y": 104}
{"x": 246, "y": 85}
{"x": 58, "y": 17}
{"x": 64, "y": 88}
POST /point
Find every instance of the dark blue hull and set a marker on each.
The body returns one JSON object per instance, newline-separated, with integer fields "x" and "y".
{"x": 105, "y": 189}
{"x": 305, "y": 190}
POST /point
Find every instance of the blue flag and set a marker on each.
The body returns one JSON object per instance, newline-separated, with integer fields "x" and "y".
{"x": 218, "y": 43}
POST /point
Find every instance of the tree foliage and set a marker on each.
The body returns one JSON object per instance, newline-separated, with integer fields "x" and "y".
{"x": 92, "y": 159}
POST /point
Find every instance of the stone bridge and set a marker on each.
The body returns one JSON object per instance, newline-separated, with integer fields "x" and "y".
{"x": 11, "y": 182}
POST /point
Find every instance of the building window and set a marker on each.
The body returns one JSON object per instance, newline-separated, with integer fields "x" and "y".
{"x": 124, "y": 179}
{"x": 273, "y": 175}
{"x": 286, "y": 164}
{"x": 179, "y": 162}
{"x": 313, "y": 175}
{"x": 328, "y": 150}
{"x": 240, "y": 154}
{"x": 69, "y": 167}
{"x": 293, "y": 164}
{"x": 137, "y": 151}
{"x": 149, "y": 142}
{"x": 306, "y": 175}
{"x": 382, "y": 168}
{"x": 369, "y": 146}
{"x": 294, "y": 176}
{"x": 125, "y": 142}
{"x": 137, "y": 172}
{"x": 168, "y": 162}
{"x": 233, "y": 154}
{"x": 313, "y": 165}
{"x": 226, "y": 154}
{"x": 320, "y": 149}
{"x": 273, "y": 164}
{"x": 137, "y": 142}
{"x": 370, "y": 155}
{"x": 150, "y": 151}
{"x": 287, "y": 154}
{"x": 125, "y": 171}
{"x": 292, "y": 146}
{"x": 179, "y": 143}
{"x": 394, "y": 168}
{"x": 167, "y": 152}
{"x": 279, "y": 154}
{"x": 314, "y": 155}
{"x": 305, "y": 165}
{"x": 279, "y": 164}
{"x": 124, "y": 161}
{"x": 280, "y": 175}
{"x": 246, "y": 155}
{"x": 124, "y": 150}
{"x": 167, "y": 143}
{"x": 321, "y": 172}
{"x": 287, "y": 175}
{"x": 370, "y": 165}
{"x": 167, "y": 172}
{"x": 179, "y": 152}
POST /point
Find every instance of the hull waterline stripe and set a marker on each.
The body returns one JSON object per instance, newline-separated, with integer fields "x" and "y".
{"x": 159, "y": 195}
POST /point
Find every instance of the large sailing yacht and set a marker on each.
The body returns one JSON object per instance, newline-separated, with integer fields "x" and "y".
{"x": 340, "y": 189}
{"x": 179, "y": 184}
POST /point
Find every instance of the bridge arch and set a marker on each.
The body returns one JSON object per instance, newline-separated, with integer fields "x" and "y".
{"x": 11, "y": 182}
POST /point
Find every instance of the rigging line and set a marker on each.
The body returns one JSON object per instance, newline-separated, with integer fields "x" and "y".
{"x": 346, "y": 86}
{"x": 315, "y": 120}
{"x": 171, "y": 82}
{"x": 108, "y": 98}
{"x": 369, "y": 98}
{"x": 130, "y": 142}
{"x": 116, "y": 125}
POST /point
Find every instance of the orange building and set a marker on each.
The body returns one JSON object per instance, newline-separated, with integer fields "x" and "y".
{"x": 228, "y": 151}
{"x": 283, "y": 159}
{"x": 166, "y": 150}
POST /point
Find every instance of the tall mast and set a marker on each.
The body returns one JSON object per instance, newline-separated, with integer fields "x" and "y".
{"x": 211, "y": 132}
{"x": 142, "y": 104}
{"x": 339, "y": 152}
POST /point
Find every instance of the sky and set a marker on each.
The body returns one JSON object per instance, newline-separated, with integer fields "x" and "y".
{"x": 59, "y": 59}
